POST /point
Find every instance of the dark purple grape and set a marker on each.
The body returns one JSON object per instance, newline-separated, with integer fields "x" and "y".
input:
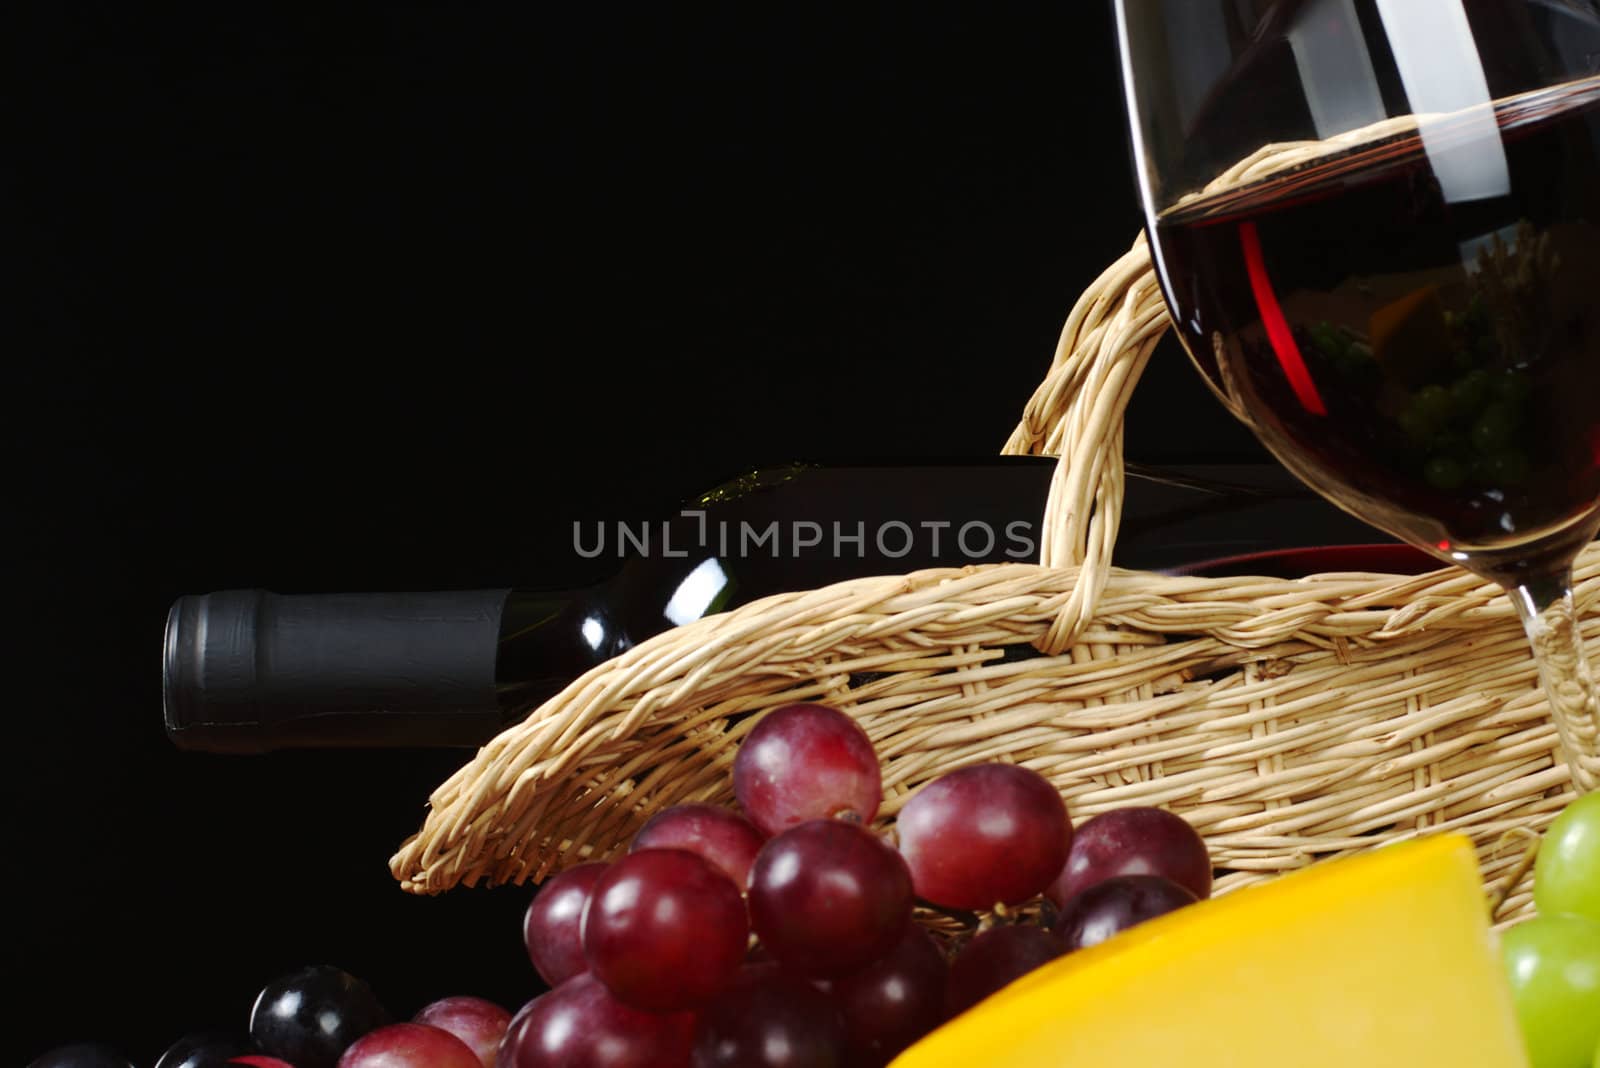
{"x": 665, "y": 931}
{"x": 994, "y": 959}
{"x": 580, "y": 1024}
{"x": 828, "y": 898}
{"x": 1133, "y": 841}
{"x": 984, "y": 834}
{"x": 1113, "y": 906}
{"x": 551, "y": 928}
{"x": 212, "y": 1049}
{"x": 770, "y": 1020}
{"x": 409, "y": 1045}
{"x": 81, "y": 1055}
{"x": 894, "y": 1001}
{"x": 807, "y": 762}
{"x": 726, "y": 839}
{"x": 309, "y": 1017}
{"x": 480, "y": 1024}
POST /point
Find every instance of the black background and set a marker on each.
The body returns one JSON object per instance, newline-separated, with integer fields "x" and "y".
{"x": 383, "y": 297}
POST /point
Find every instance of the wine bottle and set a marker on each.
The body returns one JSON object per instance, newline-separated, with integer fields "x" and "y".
{"x": 253, "y": 671}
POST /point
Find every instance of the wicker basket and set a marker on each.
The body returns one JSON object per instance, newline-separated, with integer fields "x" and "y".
{"x": 1288, "y": 720}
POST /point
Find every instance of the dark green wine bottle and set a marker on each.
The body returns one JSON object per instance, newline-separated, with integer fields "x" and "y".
{"x": 252, "y": 671}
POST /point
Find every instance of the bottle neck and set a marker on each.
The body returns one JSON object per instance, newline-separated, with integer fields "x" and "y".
{"x": 252, "y": 671}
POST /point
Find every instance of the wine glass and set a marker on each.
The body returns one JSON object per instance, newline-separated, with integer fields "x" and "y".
{"x": 1377, "y": 227}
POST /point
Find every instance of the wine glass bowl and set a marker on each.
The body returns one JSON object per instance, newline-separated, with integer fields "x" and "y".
{"x": 1377, "y": 227}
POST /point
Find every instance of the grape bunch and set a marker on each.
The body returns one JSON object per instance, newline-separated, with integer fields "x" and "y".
{"x": 794, "y": 932}
{"x": 322, "y": 1017}
{"x": 1553, "y": 960}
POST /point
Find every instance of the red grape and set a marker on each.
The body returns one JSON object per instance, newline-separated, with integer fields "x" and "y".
{"x": 478, "y": 1023}
{"x": 996, "y": 958}
{"x": 1133, "y": 841}
{"x": 504, "y": 1056}
{"x": 984, "y": 834}
{"x": 409, "y": 1045}
{"x": 770, "y": 1020}
{"x": 552, "y": 925}
{"x": 807, "y": 762}
{"x": 1117, "y": 904}
{"x": 665, "y": 931}
{"x": 894, "y": 1001}
{"x": 580, "y": 1024}
{"x": 258, "y": 1061}
{"x": 729, "y": 841}
{"x": 828, "y": 898}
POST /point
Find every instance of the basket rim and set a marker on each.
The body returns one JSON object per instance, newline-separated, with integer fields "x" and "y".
{"x": 1300, "y": 561}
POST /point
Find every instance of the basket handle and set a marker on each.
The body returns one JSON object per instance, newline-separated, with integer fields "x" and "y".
{"x": 1077, "y": 414}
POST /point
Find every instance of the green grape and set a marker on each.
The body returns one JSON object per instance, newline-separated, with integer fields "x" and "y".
{"x": 1426, "y": 414}
{"x": 1597, "y": 1056}
{"x": 1566, "y": 878}
{"x": 1494, "y": 429}
{"x": 1417, "y": 428}
{"x": 1553, "y": 963}
{"x": 1327, "y": 338}
{"x": 1470, "y": 392}
{"x": 1433, "y": 404}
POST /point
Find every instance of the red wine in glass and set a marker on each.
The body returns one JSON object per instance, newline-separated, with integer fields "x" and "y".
{"x": 1433, "y": 366}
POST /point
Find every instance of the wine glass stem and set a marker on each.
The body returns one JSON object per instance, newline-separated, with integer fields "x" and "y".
{"x": 1551, "y": 620}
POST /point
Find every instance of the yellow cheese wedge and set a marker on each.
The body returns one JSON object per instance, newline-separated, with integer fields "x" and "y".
{"x": 1377, "y": 961}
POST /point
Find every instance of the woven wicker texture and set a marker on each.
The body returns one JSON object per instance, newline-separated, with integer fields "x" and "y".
{"x": 1288, "y": 720}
